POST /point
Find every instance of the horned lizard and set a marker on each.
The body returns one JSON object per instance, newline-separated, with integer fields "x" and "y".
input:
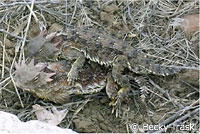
{"x": 104, "y": 49}
{"x": 47, "y": 80}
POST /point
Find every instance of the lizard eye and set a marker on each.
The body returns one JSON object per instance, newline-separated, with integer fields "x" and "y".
{"x": 41, "y": 50}
{"x": 36, "y": 79}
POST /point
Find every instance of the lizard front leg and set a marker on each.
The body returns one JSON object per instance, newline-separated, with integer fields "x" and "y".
{"x": 76, "y": 66}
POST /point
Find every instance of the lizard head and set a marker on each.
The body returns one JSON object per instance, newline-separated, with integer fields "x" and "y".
{"x": 30, "y": 76}
{"x": 41, "y": 47}
{"x": 35, "y": 44}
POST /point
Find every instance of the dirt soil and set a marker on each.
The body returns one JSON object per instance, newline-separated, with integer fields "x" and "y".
{"x": 171, "y": 101}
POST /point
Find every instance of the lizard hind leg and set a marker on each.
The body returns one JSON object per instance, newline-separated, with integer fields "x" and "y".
{"x": 74, "y": 71}
{"x": 119, "y": 66}
{"x": 111, "y": 89}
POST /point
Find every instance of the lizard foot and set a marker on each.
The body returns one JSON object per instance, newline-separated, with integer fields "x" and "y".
{"x": 123, "y": 91}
